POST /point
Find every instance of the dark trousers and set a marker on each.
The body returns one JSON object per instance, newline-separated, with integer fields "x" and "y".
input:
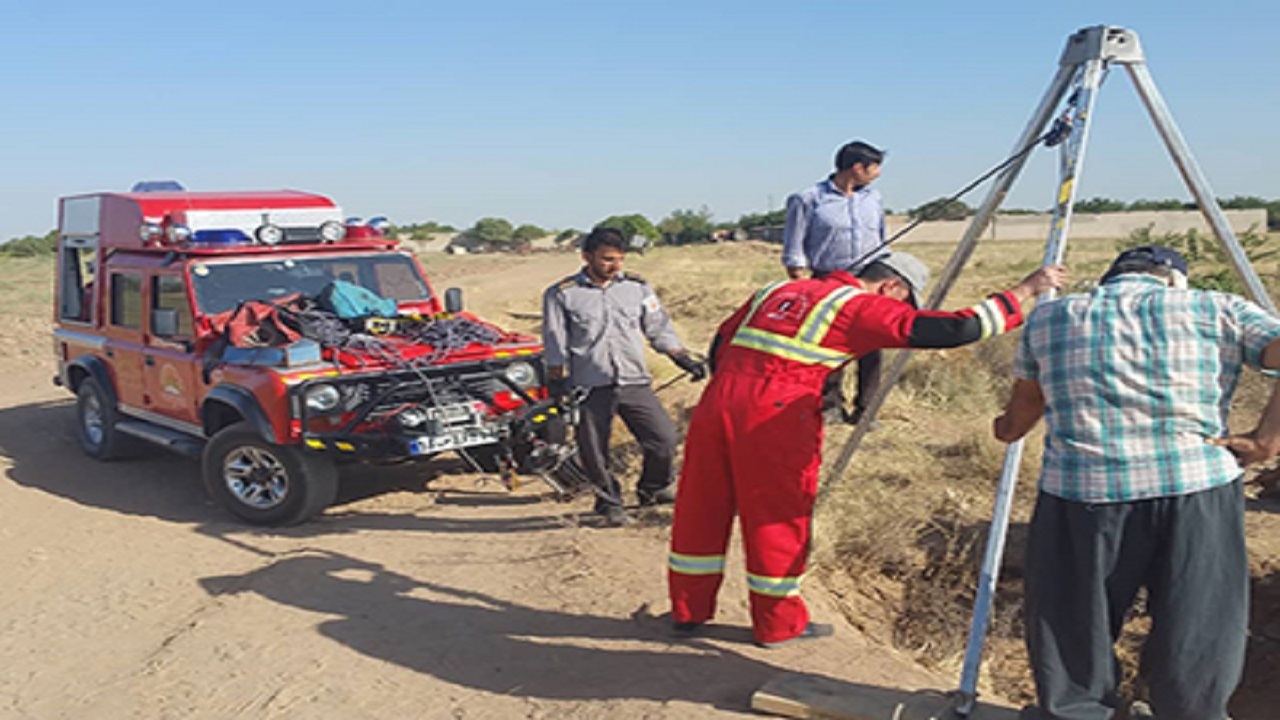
{"x": 1085, "y": 564}
{"x": 868, "y": 381}
{"x": 644, "y": 416}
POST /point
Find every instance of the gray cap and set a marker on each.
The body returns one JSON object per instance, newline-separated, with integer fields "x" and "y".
{"x": 910, "y": 269}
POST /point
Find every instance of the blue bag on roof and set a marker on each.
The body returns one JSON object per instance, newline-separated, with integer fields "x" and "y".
{"x": 350, "y": 301}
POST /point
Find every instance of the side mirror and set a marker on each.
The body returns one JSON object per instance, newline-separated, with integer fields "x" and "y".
{"x": 164, "y": 322}
{"x": 453, "y": 300}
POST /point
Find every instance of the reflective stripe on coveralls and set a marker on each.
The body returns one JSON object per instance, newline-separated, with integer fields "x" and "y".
{"x": 991, "y": 318}
{"x": 774, "y": 586}
{"x": 804, "y": 347}
{"x": 696, "y": 564}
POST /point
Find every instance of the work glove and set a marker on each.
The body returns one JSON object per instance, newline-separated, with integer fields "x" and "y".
{"x": 696, "y": 367}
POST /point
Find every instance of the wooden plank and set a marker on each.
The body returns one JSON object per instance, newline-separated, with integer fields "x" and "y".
{"x": 797, "y": 695}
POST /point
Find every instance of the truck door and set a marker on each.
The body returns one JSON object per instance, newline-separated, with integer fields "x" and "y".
{"x": 123, "y": 347}
{"x": 169, "y": 364}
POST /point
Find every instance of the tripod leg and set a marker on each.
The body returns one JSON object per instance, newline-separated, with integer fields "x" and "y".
{"x": 1197, "y": 183}
{"x": 1073, "y": 153}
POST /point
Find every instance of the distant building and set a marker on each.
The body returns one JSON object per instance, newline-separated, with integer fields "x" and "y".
{"x": 467, "y": 245}
{"x": 767, "y": 233}
{"x": 1036, "y": 226}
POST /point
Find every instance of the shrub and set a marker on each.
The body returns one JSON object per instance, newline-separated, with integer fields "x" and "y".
{"x": 31, "y": 245}
{"x": 1206, "y": 258}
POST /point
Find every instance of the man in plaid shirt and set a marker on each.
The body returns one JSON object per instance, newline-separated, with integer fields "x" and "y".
{"x": 1141, "y": 485}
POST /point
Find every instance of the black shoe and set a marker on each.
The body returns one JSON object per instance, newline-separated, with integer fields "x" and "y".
{"x": 661, "y": 496}
{"x": 811, "y": 631}
{"x": 686, "y": 629}
{"x": 615, "y": 516}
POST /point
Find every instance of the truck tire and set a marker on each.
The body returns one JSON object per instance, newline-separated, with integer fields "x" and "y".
{"x": 263, "y": 483}
{"x": 96, "y": 422}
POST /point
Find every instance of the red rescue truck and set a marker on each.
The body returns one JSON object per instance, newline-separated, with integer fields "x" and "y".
{"x": 197, "y": 321}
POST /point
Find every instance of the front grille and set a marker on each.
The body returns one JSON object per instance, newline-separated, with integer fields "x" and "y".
{"x": 371, "y": 397}
{"x": 438, "y": 391}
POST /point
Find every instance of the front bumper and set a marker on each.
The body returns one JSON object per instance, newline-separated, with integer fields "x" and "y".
{"x": 389, "y": 416}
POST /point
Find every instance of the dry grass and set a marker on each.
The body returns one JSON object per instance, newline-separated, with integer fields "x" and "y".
{"x": 26, "y": 306}
{"x": 28, "y": 285}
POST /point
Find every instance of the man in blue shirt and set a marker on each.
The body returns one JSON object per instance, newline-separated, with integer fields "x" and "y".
{"x": 830, "y": 226}
{"x": 1141, "y": 485}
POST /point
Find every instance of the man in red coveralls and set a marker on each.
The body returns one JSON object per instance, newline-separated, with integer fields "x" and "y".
{"x": 754, "y": 444}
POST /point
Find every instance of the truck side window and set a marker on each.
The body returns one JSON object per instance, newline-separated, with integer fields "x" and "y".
{"x": 169, "y": 292}
{"x": 126, "y": 300}
{"x": 76, "y": 301}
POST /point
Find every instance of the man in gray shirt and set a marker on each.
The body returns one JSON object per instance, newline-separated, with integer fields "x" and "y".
{"x": 594, "y": 324}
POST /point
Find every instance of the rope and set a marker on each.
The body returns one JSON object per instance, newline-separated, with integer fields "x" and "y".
{"x": 1055, "y": 135}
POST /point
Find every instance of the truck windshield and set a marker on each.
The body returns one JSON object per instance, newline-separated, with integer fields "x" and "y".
{"x": 221, "y": 286}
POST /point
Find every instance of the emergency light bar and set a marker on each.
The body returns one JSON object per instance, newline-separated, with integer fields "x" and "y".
{"x": 269, "y": 234}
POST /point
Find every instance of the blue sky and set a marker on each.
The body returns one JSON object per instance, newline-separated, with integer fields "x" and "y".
{"x": 561, "y": 113}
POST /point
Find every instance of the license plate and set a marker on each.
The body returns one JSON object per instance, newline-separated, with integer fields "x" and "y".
{"x": 430, "y": 444}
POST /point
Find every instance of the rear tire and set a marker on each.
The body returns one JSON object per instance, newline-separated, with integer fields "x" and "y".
{"x": 263, "y": 483}
{"x": 96, "y": 419}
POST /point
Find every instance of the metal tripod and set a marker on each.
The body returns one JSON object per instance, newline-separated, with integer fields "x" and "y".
{"x": 1089, "y": 54}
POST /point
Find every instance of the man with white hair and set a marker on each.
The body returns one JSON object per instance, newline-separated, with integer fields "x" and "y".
{"x": 1141, "y": 486}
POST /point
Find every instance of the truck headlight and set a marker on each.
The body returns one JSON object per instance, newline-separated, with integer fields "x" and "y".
{"x": 150, "y": 232}
{"x": 332, "y": 231}
{"x": 522, "y": 374}
{"x": 269, "y": 234}
{"x": 177, "y": 234}
{"x": 323, "y": 398}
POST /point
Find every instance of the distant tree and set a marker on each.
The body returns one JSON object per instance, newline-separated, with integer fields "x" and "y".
{"x": 1170, "y": 204}
{"x": 567, "y": 235}
{"x": 1243, "y": 202}
{"x": 766, "y": 219}
{"x": 1099, "y": 205}
{"x": 424, "y": 230}
{"x": 1019, "y": 211}
{"x": 31, "y": 245}
{"x": 496, "y": 231}
{"x": 683, "y": 227}
{"x": 941, "y": 209}
{"x": 631, "y": 225}
{"x": 527, "y": 233}
{"x": 1251, "y": 202}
